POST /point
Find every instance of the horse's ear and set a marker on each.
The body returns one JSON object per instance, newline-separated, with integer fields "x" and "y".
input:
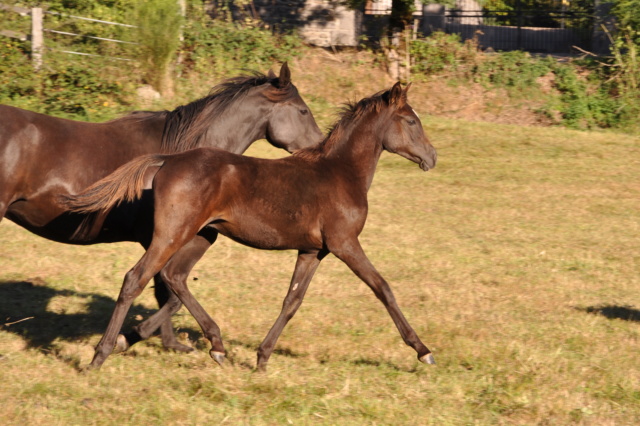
{"x": 271, "y": 74}
{"x": 285, "y": 76}
{"x": 397, "y": 96}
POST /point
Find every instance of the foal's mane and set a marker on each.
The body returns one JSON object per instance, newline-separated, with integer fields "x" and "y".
{"x": 350, "y": 114}
{"x": 187, "y": 124}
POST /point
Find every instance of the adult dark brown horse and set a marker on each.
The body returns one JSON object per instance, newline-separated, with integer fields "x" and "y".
{"x": 43, "y": 158}
{"x": 314, "y": 201}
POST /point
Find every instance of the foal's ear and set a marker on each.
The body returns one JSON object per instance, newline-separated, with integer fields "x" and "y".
{"x": 397, "y": 96}
{"x": 285, "y": 76}
{"x": 271, "y": 74}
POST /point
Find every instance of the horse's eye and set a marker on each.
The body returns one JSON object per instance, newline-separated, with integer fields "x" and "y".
{"x": 412, "y": 122}
{"x": 304, "y": 111}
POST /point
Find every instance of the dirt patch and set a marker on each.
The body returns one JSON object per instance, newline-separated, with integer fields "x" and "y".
{"x": 350, "y": 75}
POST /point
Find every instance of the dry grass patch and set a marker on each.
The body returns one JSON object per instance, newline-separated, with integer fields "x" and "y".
{"x": 517, "y": 260}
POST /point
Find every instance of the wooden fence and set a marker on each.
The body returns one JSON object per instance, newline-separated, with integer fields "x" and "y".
{"x": 36, "y": 36}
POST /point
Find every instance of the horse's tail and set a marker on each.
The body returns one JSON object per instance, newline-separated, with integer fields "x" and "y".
{"x": 124, "y": 184}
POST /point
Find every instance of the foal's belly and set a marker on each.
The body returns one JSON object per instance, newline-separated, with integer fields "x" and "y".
{"x": 265, "y": 236}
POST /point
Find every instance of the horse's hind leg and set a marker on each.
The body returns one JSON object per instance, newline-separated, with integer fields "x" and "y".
{"x": 306, "y": 266}
{"x": 177, "y": 269}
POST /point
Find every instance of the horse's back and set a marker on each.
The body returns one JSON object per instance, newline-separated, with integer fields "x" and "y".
{"x": 43, "y": 157}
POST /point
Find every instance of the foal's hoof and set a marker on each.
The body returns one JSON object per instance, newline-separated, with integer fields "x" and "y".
{"x": 427, "y": 359}
{"x": 218, "y": 357}
{"x": 89, "y": 368}
{"x": 122, "y": 344}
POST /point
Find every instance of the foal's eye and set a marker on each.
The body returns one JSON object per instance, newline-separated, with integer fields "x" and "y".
{"x": 412, "y": 122}
{"x": 304, "y": 111}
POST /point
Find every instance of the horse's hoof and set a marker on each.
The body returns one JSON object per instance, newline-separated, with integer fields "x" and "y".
{"x": 218, "y": 357}
{"x": 122, "y": 344}
{"x": 89, "y": 368}
{"x": 427, "y": 359}
{"x": 179, "y": 347}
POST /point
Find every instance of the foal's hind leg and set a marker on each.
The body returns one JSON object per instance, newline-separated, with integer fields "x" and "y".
{"x": 134, "y": 282}
{"x": 351, "y": 253}
{"x": 306, "y": 266}
{"x": 207, "y": 324}
{"x": 177, "y": 269}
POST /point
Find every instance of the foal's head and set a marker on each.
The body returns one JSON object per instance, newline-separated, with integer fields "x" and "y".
{"x": 405, "y": 135}
{"x": 290, "y": 124}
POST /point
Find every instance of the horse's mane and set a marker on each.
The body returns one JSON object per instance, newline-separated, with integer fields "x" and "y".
{"x": 187, "y": 124}
{"x": 350, "y": 114}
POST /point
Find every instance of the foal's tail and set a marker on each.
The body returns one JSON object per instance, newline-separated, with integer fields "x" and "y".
{"x": 124, "y": 184}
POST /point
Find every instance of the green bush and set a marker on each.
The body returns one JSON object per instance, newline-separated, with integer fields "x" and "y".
{"x": 64, "y": 87}
{"x": 440, "y": 52}
{"x": 515, "y": 69}
{"x": 223, "y": 47}
{"x": 16, "y": 72}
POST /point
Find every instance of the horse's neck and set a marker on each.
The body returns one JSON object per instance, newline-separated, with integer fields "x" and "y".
{"x": 236, "y": 129}
{"x": 359, "y": 151}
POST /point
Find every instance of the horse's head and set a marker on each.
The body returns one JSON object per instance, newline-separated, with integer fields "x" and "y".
{"x": 290, "y": 124}
{"x": 405, "y": 135}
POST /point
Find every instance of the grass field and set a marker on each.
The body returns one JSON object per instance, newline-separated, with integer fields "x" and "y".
{"x": 517, "y": 261}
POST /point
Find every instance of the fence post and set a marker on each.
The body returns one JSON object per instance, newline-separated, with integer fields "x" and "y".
{"x": 519, "y": 24}
{"x": 37, "y": 37}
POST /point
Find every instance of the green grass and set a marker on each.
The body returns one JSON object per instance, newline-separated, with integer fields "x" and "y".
{"x": 517, "y": 261}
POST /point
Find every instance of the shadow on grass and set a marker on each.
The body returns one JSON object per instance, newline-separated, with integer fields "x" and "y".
{"x": 627, "y": 313}
{"x": 254, "y": 347}
{"x": 373, "y": 363}
{"x": 23, "y": 311}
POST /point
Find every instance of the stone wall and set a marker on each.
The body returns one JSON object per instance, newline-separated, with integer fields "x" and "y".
{"x": 319, "y": 22}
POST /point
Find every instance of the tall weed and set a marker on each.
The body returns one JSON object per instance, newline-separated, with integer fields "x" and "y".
{"x": 158, "y": 28}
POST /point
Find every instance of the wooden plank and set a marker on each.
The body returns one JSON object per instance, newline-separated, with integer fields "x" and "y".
{"x": 13, "y": 34}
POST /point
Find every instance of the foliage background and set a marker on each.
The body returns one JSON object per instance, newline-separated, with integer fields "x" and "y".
{"x": 588, "y": 92}
{"x": 516, "y": 259}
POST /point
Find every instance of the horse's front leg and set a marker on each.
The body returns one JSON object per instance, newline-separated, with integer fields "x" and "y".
{"x": 350, "y": 252}
{"x": 306, "y": 266}
{"x": 177, "y": 269}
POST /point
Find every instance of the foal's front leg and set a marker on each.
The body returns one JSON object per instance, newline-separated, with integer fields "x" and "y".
{"x": 350, "y": 252}
{"x": 306, "y": 266}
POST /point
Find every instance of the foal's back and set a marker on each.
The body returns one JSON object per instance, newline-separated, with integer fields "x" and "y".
{"x": 266, "y": 204}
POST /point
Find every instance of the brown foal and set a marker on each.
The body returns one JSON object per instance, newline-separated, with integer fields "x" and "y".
{"x": 314, "y": 201}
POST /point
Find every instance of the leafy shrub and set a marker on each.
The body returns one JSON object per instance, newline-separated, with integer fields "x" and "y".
{"x": 16, "y": 72}
{"x": 64, "y": 87}
{"x": 229, "y": 46}
{"x": 440, "y": 52}
{"x": 514, "y": 69}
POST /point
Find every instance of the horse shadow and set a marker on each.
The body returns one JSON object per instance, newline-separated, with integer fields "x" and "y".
{"x": 24, "y": 312}
{"x": 626, "y": 313}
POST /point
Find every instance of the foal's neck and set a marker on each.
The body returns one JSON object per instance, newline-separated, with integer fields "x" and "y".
{"x": 360, "y": 149}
